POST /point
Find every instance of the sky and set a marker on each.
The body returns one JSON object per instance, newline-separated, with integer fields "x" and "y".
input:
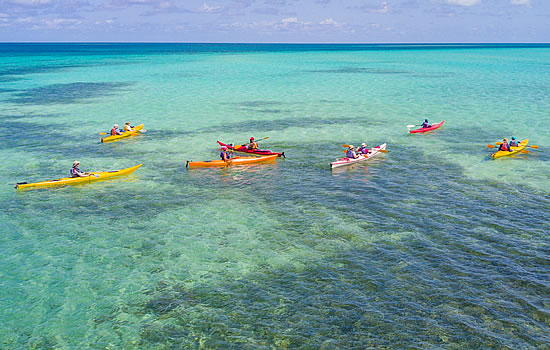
{"x": 312, "y": 21}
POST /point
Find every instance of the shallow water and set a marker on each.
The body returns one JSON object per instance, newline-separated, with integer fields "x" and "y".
{"x": 430, "y": 245}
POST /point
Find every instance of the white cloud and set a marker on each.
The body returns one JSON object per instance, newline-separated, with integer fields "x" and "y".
{"x": 3, "y": 15}
{"x": 464, "y": 2}
{"x": 209, "y": 9}
{"x": 520, "y": 2}
{"x": 290, "y": 20}
{"x": 31, "y": 3}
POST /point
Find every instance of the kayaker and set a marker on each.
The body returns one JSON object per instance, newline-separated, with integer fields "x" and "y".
{"x": 426, "y": 124}
{"x": 76, "y": 172}
{"x": 225, "y": 155}
{"x": 350, "y": 153}
{"x": 513, "y": 142}
{"x": 127, "y": 127}
{"x": 363, "y": 149}
{"x": 115, "y": 130}
{"x": 252, "y": 145}
{"x": 504, "y": 146}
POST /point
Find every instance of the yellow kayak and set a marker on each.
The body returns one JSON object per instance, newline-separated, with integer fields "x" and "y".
{"x": 515, "y": 150}
{"x": 124, "y": 134}
{"x": 95, "y": 176}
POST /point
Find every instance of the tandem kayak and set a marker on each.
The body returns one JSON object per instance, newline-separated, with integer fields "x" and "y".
{"x": 124, "y": 134}
{"x": 262, "y": 152}
{"x": 347, "y": 161}
{"x": 515, "y": 150}
{"x": 95, "y": 176}
{"x": 433, "y": 127}
{"x": 232, "y": 161}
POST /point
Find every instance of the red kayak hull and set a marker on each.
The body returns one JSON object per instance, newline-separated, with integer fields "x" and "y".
{"x": 433, "y": 127}
{"x": 262, "y": 152}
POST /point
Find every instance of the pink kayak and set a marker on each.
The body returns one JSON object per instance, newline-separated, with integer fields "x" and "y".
{"x": 347, "y": 161}
{"x": 243, "y": 149}
{"x": 433, "y": 127}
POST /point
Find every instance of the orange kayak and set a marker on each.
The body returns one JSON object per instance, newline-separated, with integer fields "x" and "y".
{"x": 232, "y": 161}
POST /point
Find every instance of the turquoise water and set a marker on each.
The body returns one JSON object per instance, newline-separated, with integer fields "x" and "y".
{"x": 432, "y": 245}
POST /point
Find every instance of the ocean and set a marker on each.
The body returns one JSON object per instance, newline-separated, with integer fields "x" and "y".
{"x": 431, "y": 245}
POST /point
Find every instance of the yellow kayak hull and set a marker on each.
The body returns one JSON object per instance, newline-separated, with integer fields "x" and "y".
{"x": 95, "y": 176}
{"x": 515, "y": 150}
{"x": 124, "y": 135}
{"x": 233, "y": 161}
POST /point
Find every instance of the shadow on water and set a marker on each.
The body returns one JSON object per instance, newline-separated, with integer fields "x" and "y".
{"x": 66, "y": 93}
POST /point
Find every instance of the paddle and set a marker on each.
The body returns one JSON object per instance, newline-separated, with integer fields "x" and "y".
{"x": 103, "y": 133}
{"x": 380, "y": 150}
{"x": 239, "y": 146}
{"x": 500, "y": 143}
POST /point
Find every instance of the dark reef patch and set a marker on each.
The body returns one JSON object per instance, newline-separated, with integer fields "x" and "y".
{"x": 362, "y": 70}
{"x": 66, "y": 93}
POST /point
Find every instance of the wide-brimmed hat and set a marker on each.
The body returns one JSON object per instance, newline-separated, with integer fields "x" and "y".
{"x": 76, "y": 162}
{"x": 351, "y": 147}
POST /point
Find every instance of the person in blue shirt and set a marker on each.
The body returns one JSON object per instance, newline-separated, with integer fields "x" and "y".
{"x": 426, "y": 124}
{"x": 513, "y": 142}
{"x": 350, "y": 153}
{"x": 225, "y": 155}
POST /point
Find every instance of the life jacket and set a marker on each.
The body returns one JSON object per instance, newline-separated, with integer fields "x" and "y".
{"x": 504, "y": 147}
{"x": 425, "y": 125}
{"x": 349, "y": 153}
{"x": 226, "y": 155}
{"x": 113, "y": 131}
{"x": 513, "y": 144}
{"x": 74, "y": 172}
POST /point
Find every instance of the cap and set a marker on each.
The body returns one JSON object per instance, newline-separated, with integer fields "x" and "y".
{"x": 251, "y": 139}
{"x": 116, "y": 125}
{"x": 363, "y": 145}
{"x": 223, "y": 148}
{"x": 513, "y": 138}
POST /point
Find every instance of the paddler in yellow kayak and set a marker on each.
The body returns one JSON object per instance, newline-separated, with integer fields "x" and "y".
{"x": 127, "y": 127}
{"x": 504, "y": 146}
{"x": 513, "y": 142}
{"x": 115, "y": 130}
{"x": 76, "y": 172}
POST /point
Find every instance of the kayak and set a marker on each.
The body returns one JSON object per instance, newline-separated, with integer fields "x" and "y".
{"x": 433, "y": 127}
{"x": 124, "y": 134}
{"x": 515, "y": 150}
{"x": 347, "y": 161}
{"x": 233, "y": 161}
{"x": 95, "y": 176}
{"x": 262, "y": 152}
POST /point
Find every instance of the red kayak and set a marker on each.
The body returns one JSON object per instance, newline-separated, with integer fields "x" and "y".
{"x": 243, "y": 149}
{"x": 433, "y": 127}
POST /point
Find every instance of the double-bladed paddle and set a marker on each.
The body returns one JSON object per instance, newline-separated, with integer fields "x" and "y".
{"x": 379, "y": 150}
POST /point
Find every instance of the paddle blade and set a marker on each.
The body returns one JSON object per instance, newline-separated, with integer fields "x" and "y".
{"x": 142, "y": 131}
{"x": 344, "y": 145}
{"x": 499, "y": 143}
{"x": 534, "y": 146}
{"x": 382, "y": 150}
{"x": 103, "y": 133}
{"x": 491, "y": 146}
{"x": 524, "y": 151}
{"x": 410, "y": 126}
